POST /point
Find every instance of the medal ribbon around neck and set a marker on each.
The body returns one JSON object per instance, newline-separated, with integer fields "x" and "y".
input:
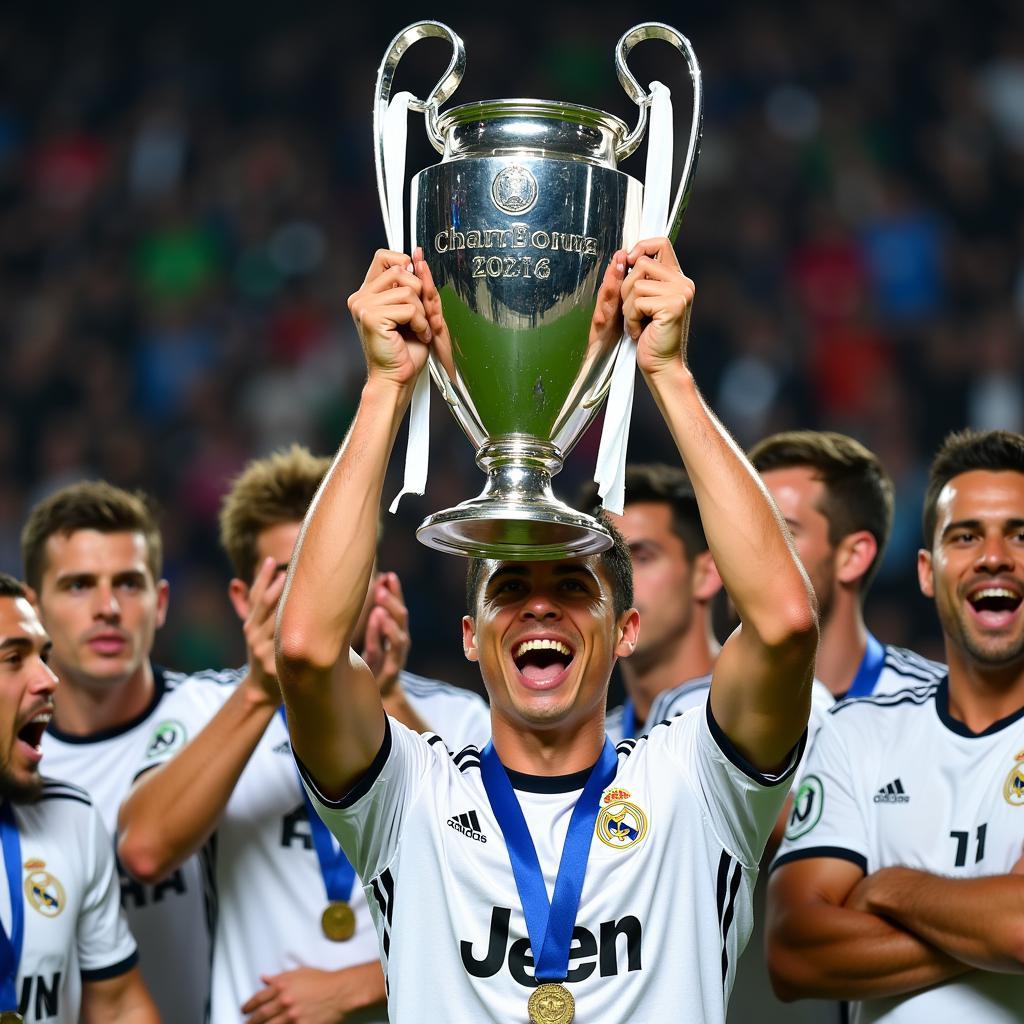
{"x": 549, "y": 924}
{"x": 10, "y": 946}
{"x": 870, "y": 669}
{"x": 338, "y": 874}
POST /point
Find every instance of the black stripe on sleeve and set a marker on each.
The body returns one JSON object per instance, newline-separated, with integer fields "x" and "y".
{"x": 364, "y": 784}
{"x": 751, "y": 771}
{"x": 378, "y": 895}
{"x": 113, "y": 971}
{"x": 727, "y": 921}
{"x": 833, "y": 852}
{"x": 723, "y": 875}
{"x": 388, "y": 881}
{"x": 65, "y": 796}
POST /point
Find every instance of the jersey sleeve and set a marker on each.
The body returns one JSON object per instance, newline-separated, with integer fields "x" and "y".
{"x": 740, "y": 803}
{"x": 183, "y": 715}
{"x": 106, "y": 947}
{"x": 460, "y": 717}
{"x": 826, "y": 819}
{"x": 368, "y": 820}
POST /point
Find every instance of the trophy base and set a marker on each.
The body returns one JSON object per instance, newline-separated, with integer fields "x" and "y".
{"x": 517, "y": 518}
{"x": 486, "y": 529}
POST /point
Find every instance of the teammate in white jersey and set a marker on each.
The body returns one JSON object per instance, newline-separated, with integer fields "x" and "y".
{"x": 235, "y": 782}
{"x": 901, "y": 881}
{"x": 674, "y": 584}
{"x": 662, "y": 909}
{"x": 92, "y": 553}
{"x": 66, "y": 953}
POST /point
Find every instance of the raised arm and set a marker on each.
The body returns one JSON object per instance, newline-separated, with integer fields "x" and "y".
{"x": 335, "y": 713}
{"x": 761, "y": 686}
{"x": 823, "y": 945}
{"x": 173, "y": 808}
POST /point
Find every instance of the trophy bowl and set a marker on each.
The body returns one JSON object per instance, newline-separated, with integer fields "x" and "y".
{"x": 518, "y": 224}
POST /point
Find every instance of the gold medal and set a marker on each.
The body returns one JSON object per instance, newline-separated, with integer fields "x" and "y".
{"x": 338, "y": 922}
{"x": 11, "y": 1017}
{"x": 551, "y": 1004}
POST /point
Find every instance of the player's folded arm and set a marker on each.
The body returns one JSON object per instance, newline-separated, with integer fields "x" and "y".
{"x": 817, "y": 948}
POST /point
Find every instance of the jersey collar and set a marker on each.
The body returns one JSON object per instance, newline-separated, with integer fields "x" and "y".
{"x": 955, "y": 725}
{"x": 159, "y": 689}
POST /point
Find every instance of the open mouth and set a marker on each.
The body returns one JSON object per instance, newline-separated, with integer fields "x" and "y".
{"x": 32, "y": 732}
{"x": 543, "y": 662}
{"x": 995, "y": 606}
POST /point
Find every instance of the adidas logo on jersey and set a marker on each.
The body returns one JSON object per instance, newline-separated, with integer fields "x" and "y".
{"x": 892, "y": 793}
{"x": 468, "y": 824}
{"x": 284, "y": 747}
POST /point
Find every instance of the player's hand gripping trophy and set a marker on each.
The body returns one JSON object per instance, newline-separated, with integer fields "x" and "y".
{"x": 518, "y": 225}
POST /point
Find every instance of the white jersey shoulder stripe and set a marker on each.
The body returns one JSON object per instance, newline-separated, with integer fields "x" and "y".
{"x": 911, "y": 695}
{"x": 220, "y": 676}
{"x": 56, "y": 789}
{"x": 912, "y": 665}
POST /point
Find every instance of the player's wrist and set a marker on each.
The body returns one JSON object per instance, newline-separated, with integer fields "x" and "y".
{"x": 260, "y": 696}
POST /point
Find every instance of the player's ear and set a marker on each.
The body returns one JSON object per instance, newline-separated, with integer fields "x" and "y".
{"x": 706, "y": 581}
{"x": 163, "y": 595}
{"x": 925, "y": 573}
{"x": 238, "y": 593}
{"x": 469, "y": 639}
{"x": 627, "y": 630}
{"x": 855, "y": 555}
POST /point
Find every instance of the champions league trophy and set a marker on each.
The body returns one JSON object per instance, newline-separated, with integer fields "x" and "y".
{"x": 518, "y": 223}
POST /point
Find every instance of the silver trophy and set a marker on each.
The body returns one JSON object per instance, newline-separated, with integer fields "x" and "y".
{"x": 518, "y": 223}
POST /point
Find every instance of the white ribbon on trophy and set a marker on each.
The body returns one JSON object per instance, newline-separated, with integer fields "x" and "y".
{"x": 610, "y": 475}
{"x": 392, "y": 203}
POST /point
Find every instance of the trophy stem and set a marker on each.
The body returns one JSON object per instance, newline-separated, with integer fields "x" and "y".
{"x": 517, "y": 516}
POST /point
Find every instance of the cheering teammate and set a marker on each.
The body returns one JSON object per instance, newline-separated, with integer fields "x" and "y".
{"x": 235, "y": 783}
{"x": 93, "y": 555}
{"x": 674, "y": 583}
{"x": 901, "y": 881}
{"x": 838, "y": 500}
{"x": 652, "y": 927}
{"x": 65, "y": 950}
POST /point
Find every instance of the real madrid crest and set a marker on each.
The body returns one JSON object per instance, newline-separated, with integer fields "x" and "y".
{"x": 43, "y": 891}
{"x": 621, "y": 824}
{"x": 1013, "y": 788}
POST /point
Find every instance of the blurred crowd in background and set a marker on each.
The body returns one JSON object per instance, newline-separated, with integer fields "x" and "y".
{"x": 187, "y": 199}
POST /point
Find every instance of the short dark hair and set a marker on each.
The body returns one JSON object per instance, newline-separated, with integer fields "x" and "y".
{"x": 89, "y": 505}
{"x": 660, "y": 483}
{"x": 995, "y": 450}
{"x": 10, "y": 587}
{"x": 616, "y": 562}
{"x": 858, "y": 490}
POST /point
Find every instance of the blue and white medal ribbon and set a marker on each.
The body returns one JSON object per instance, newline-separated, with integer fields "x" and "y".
{"x": 549, "y": 924}
{"x": 10, "y": 945}
{"x": 338, "y": 920}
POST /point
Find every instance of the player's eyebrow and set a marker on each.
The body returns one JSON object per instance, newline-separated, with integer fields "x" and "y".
{"x": 961, "y": 524}
{"x": 15, "y": 643}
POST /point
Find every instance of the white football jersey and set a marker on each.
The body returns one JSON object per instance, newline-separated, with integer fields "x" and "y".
{"x": 268, "y": 890}
{"x": 666, "y": 902}
{"x": 75, "y": 930}
{"x": 615, "y": 719}
{"x": 896, "y": 780}
{"x": 168, "y": 920}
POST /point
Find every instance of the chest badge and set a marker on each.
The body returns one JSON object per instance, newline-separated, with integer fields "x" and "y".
{"x": 621, "y": 824}
{"x": 1013, "y": 788}
{"x": 43, "y": 891}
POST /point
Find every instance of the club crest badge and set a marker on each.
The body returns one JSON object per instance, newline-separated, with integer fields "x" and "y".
{"x": 621, "y": 824}
{"x": 1013, "y": 788}
{"x": 43, "y": 891}
{"x": 514, "y": 190}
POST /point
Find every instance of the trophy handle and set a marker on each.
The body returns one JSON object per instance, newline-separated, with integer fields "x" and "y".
{"x": 446, "y": 85}
{"x": 636, "y": 92}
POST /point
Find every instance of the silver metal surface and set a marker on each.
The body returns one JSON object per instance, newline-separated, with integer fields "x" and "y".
{"x": 518, "y": 224}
